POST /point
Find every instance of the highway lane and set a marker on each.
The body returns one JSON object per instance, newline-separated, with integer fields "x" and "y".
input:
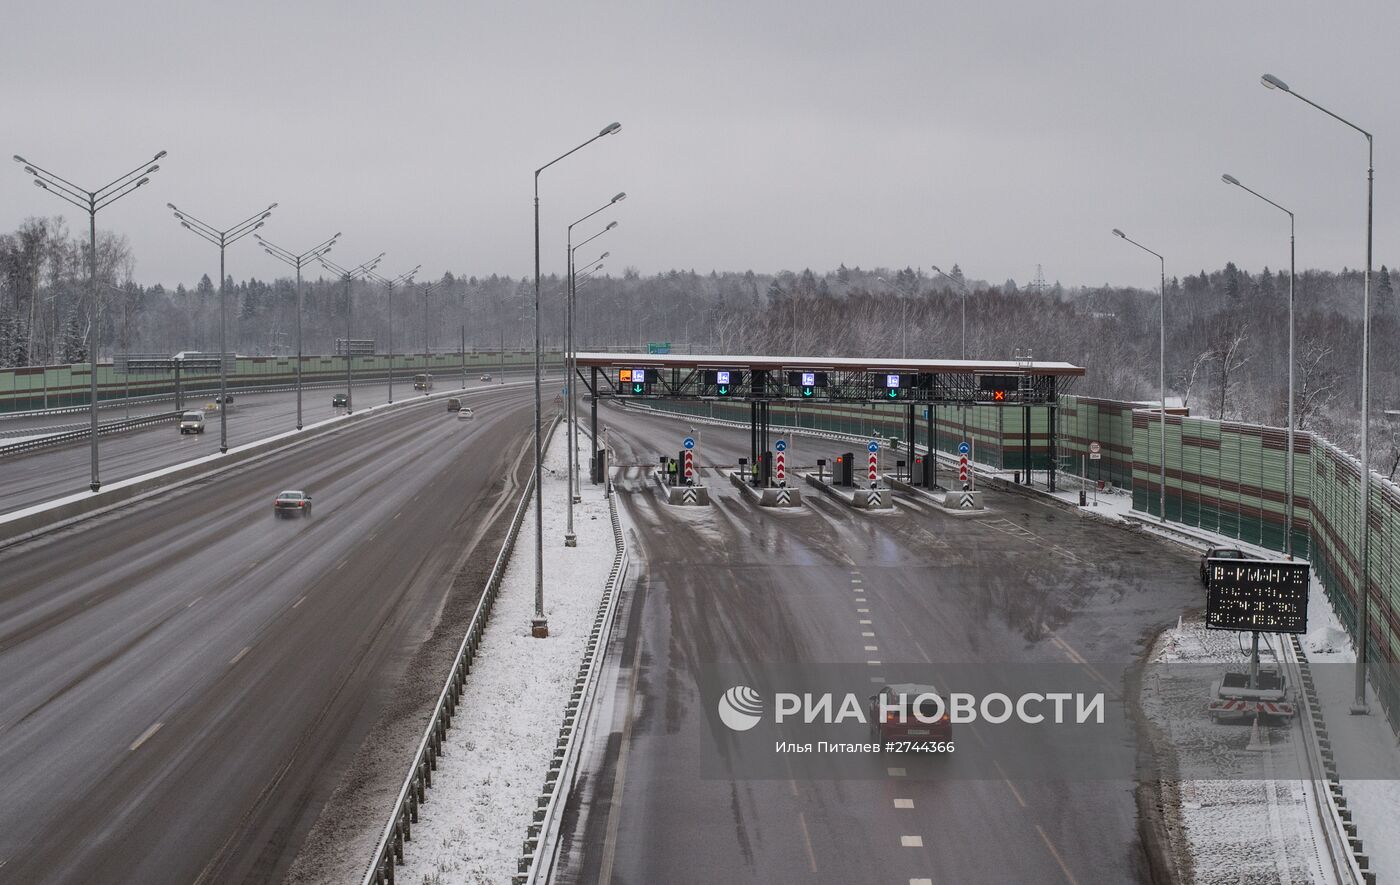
{"x": 736, "y": 583}
{"x": 44, "y": 474}
{"x": 180, "y": 680}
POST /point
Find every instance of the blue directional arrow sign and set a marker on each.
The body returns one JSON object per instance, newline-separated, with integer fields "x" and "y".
{"x": 780, "y": 445}
{"x": 688, "y": 442}
{"x": 963, "y": 448}
{"x": 873, "y": 447}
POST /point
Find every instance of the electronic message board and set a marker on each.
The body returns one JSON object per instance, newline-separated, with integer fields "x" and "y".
{"x": 1253, "y": 594}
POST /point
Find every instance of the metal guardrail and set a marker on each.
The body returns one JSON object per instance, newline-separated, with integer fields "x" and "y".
{"x": 399, "y": 829}
{"x": 54, "y": 439}
{"x": 540, "y": 851}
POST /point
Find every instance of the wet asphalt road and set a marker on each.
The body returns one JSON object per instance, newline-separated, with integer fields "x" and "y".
{"x": 29, "y": 478}
{"x": 736, "y": 583}
{"x": 181, "y": 680}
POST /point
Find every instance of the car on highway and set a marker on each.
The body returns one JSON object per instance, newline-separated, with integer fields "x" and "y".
{"x": 1218, "y": 552}
{"x": 291, "y": 502}
{"x": 191, "y": 422}
{"x": 905, "y": 717}
{"x": 422, "y": 381}
{"x": 340, "y": 401}
{"x": 486, "y": 377}
{"x": 465, "y": 413}
{"x": 454, "y": 404}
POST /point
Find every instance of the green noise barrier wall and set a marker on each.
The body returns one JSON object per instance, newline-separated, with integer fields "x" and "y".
{"x": 52, "y": 387}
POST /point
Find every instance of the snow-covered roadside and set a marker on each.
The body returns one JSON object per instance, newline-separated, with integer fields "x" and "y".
{"x": 1236, "y": 830}
{"x": 497, "y": 753}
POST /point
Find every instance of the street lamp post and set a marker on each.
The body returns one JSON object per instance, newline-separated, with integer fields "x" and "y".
{"x": 297, "y": 261}
{"x": 1288, "y": 482}
{"x": 428, "y": 290}
{"x": 962, "y": 287}
{"x": 1359, "y": 706}
{"x": 92, "y": 202}
{"x": 1161, "y": 367}
{"x": 571, "y": 368}
{"x": 389, "y": 284}
{"x": 539, "y": 624}
{"x": 346, "y": 276}
{"x": 222, "y": 239}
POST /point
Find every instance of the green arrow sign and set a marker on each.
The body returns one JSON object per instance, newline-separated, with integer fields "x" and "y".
{"x": 894, "y": 393}
{"x": 637, "y": 388}
{"x": 806, "y": 391}
{"x": 724, "y": 390}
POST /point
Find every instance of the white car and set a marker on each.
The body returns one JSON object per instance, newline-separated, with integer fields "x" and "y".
{"x": 465, "y": 413}
{"x": 191, "y": 422}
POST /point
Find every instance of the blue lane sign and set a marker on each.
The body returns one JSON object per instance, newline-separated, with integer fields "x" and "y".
{"x": 780, "y": 445}
{"x": 873, "y": 447}
{"x": 688, "y": 442}
{"x": 963, "y": 448}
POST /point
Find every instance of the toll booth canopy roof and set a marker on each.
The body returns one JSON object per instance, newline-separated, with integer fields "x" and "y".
{"x": 850, "y": 364}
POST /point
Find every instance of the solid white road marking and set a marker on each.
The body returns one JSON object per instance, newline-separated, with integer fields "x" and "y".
{"x": 145, "y": 736}
{"x": 911, "y": 841}
{"x": 872, "y": 648}
{"x": 238, "y": 657}
{"x": 904, "y": 803}
{"x": 193, "y": 601}
{"x": 298, "y": 602}
{"x": 895, "y": 772}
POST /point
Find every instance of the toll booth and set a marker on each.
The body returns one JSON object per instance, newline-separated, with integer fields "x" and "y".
{"x": 841, "y": 476}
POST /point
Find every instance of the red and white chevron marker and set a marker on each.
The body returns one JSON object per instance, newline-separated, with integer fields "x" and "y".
{"x": 962, "y": 468}
{"x": 689, "y": 464}
{"x": 780, "y": 467}
{"x": 874, "y": 466}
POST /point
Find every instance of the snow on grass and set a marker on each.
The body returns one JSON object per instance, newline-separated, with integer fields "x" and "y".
{"x": 498, "y": 750}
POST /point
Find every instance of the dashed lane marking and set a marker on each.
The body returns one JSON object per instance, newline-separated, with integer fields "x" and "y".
{"x": 238, "y": 657}
{"x": 864, "y": 621}
{"x": 895, "y": 772}
{"x": 911, "y": 841}
{"x": 145, "y": 736}
{"x": 342, "y": 564}
{"x": 298, "y": 602}
{"x": 1015, "y": 792}
{"x": 873, "y": 663}
{"x": 1059, "y": 860}
{"x": 904, "y": 803}
{"x": 191, "y": 603}
{"x": 872, "y": 648}
{"x": 807, "y": 841}
{"x": 862, "y": 611}
{"x": 866, "y": 633}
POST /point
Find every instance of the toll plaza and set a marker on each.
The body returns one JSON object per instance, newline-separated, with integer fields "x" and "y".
{"x": 763, "y": 380}
{"x": 679, "y": 477}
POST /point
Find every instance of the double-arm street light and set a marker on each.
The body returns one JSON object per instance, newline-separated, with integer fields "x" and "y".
{"x": 297, "y": 261}
{"x": 539, "y": 624}
{"x": 1288, "y": 482}
{"x": 1359, "y": 705}
{"x": 92, "y": 202}
{"x": 1161, "y": 367}
{"x": 389, "y": 284}
{"x": 222, "y": 239}
{"x": 571, "y": 362}
{"x": 428, "y": 289}
{"x": 346, "y": 275}
{"x": 962, "y": 287}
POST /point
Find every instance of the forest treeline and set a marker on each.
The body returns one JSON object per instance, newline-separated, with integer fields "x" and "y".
{"x": 1226, "y": 329}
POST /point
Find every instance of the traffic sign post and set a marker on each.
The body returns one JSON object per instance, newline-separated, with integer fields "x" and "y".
{"x": 780, "y": 468}
{"x": 689, "y": 469}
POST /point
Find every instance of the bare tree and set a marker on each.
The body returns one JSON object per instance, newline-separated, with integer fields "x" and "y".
{"x": 1316, "y": 382}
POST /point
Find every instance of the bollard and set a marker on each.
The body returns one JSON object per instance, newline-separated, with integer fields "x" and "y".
{"x": 1084, "y": 498}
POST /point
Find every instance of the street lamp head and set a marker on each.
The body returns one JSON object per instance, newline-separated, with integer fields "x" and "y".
{"x": 154, "y": 167}
{"x": 611, "y": 225}
{"x": 159, "y": 155}
{"x": 604, "y": 255}
{"x": 19, "y": 159}
{"x": 186, "y": 224}
{"x": 141, "y": 182}
{"x": 1272, "y": 82}
{"x": 273, "y": 206}
{"x": 1119, "y": 233}
{"x": 41, "y": 184}
{"x": 1230, "y": 179}
{"x": 935, "y": 268}
{"x": 610, "y": 129}
{"x": 621, "y": 196}
{"x": 171, "y": 206}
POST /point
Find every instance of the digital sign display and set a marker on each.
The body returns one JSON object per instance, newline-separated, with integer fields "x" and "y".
{"x": 809, "y": 379}
{"x": 891, "y": 380}
{"x": 721, "y": 377}
{"x": 624, "y": 375}
{"x": 1252, "y": 594}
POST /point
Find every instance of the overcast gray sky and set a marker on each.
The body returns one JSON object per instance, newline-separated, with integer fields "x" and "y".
{"x": 756, "y": 135}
